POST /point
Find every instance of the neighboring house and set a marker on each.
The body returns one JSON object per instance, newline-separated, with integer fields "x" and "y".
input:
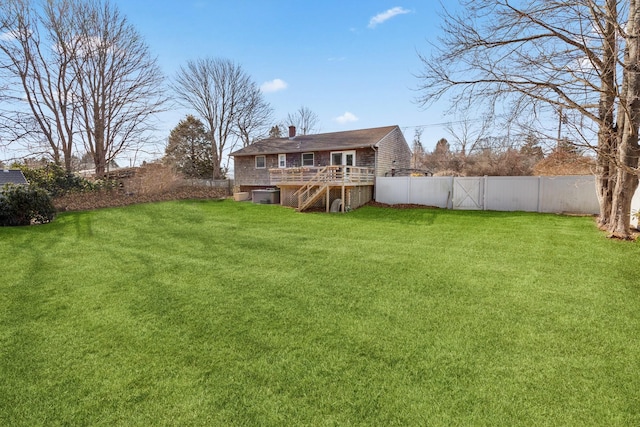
{"x": 313, "y": 171}
{"x": 12, "y": 176}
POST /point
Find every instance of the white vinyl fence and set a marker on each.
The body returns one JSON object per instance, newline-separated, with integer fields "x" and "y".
{"x": 635, "y": 209}
{"x": 226, "y": 184}
{"x": 554, "y": 194}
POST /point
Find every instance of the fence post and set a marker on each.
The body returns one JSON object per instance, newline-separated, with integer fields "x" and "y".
{"x": 452, "y": 184}
{"x": 539, "y": 207}
{"x": 485, "y": 183}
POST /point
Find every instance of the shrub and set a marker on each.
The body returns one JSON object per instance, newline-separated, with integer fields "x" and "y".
{"x": 21, "y": 205}
{"x": 57, "y": 181}
{"x": 562, "y": 162}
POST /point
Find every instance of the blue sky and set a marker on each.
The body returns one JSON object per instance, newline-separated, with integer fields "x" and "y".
{"x": 351, "y": 62}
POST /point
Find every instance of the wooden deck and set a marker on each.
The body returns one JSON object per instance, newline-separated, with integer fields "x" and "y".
{"x": 316, "y": 184}
{"x": 333, "y": 175}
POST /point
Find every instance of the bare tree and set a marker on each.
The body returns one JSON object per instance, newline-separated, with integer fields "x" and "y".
{"x": 81, "y": 69}
{"x": 417, "y": 150}
{"x": 253, "y": 118}
{"x": 120, "y": 83}
{"x": 537, "y": 57}
{"x": 468, "y": 133}
{"x": 224, "y": 97}
{"x": 305, "y": 121}
{"x": 38, "y": 47}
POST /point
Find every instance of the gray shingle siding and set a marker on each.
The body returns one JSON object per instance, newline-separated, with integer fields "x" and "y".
{"x": 393, "y": 153}
{"x": 246, "y": 173}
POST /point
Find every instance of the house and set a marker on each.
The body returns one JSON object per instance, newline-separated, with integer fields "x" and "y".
{"x": 313, "y": 171}
{"x": 12, "y": 176}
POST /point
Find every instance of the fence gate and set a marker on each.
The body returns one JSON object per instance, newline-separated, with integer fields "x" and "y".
{"x": 468, "y": 193}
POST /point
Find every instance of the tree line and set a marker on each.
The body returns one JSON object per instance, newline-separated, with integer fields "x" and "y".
{"x": 77, "y": 75}
{"x": 486, "y": 145}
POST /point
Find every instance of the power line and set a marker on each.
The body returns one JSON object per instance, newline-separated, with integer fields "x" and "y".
{"x": 451, "y": 122}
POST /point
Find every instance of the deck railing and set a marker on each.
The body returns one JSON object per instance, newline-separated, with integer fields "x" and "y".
{"x": 334, "y": 175}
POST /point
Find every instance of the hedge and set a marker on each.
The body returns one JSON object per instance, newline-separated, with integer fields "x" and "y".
{"x": 25, "y": 205}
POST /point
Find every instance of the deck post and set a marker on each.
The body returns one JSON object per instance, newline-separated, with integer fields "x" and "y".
{"x": 343, "y": 200}
{"x": 328, "y": 199}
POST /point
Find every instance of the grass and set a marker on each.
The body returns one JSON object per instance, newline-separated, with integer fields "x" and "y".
{"x": 224, "y": 313}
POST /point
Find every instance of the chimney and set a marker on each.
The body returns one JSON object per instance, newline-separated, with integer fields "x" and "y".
{"x": 292, "y": 131}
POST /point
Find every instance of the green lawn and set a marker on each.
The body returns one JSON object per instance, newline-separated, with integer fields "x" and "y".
{"x": 226, "y": 313}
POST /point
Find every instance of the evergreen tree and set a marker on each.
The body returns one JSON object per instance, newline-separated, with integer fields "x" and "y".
{"x": 189, "y": 149}
{"x": 275, "y": 132}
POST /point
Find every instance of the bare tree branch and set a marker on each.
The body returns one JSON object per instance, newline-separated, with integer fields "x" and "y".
{"x": 226, "y": 99}
{"x": 120, "y": 84}
{"x": 77, "y": 68}
{"x": 252, "y": 121}
{"x": 305, "y": 121}
{"x": 543, "y": 56}
{"x": 37, "y": 52}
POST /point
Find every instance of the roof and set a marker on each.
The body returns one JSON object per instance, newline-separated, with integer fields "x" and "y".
{"x": 350, "y": 139}
{"x": 12, "y": 176}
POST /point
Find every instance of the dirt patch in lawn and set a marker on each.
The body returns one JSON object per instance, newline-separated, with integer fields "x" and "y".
{"x": 400, "y": 206}
{"x": 115, "y": 198}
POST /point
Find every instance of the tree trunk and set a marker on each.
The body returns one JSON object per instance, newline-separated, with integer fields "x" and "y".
{"x": 626, "y": 178}
{"x": 215, "y": 159}
{"x": 607, "y": 134}
{"x": 67, "y": 163}
{"x": 606, "y": 174}
{"x": 619, "y": 225}
{"x": 98, "y": 140}
{"x": 627, "y": 166}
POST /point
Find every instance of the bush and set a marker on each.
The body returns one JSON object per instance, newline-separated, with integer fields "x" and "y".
{"x": 21, "y": 205}
{"x": 57, "y": 181}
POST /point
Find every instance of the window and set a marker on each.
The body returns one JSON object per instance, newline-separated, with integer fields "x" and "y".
{"x": 261, "y": 162}
{"x": 282, "y": 160}
{"x": 307, "y": 159}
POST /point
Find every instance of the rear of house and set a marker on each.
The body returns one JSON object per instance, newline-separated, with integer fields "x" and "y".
{"x": 313, "y": 171}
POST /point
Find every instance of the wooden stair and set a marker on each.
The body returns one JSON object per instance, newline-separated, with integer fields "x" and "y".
{"x": 314, "y": 194}
{"x": 313, "y": 190}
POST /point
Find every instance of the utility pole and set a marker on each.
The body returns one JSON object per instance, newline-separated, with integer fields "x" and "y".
{"x": 559, "y": 126}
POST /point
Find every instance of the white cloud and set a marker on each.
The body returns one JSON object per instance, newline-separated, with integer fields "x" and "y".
{"x": 385, "y": 16}
{"x": 274, "y": 85}
{"x": 347, "y": 117}
{"x": 8, "y": 36}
